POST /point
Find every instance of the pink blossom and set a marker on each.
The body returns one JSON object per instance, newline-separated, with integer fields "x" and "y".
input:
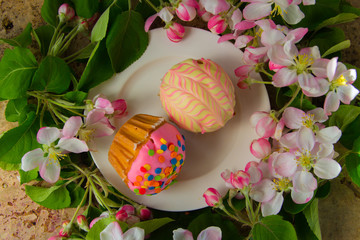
{"x": 120, "y": 108}
{"x": 66, "y": 12}
{"x": 145, "y": 214}
{"x": 82, "y": 222}
{"x": 254, "y": 170}
{"x": 212, "y": 197}
{"x": 240, "y": 179}
{"x": 113, "y": 232}
{"x": 264, "y": 123}
{"x": 185, "y": 12}
{"x": 210, "y": 233}
{"x": 217, "y": 24}
{"x": 215, "y": 6}
{"x": 175, "y": 32}
{"x": 165, "y": 15}
{"x": 260, "y": 148}
{"x": 104, "y": 104}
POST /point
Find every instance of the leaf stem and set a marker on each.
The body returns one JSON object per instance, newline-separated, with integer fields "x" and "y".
{"x": 80, "y": 204}
{"x": 152, "y": 5}
{"x": 278, "y": 113}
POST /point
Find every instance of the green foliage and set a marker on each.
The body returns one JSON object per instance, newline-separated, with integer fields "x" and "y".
{"x": 311, "y": 214}
{"x": 99, "y": 226}
{"x": 86, "y": 8}
{"x": 55, "y": 197}
{"x": 14, "y": 111}
{"x": 126, "y": 40}
{"x": 293, "y": 208}
{"x": 28, "y": 176}
{"x": 76, "y": 194}
{"x": 151, "y": 225}
{"x": 22, "y": 40}
{"x": 17, "y": 68}
{"x": 273, "y": 228}
{"x": 49, "y": 11}
{"x": 326, "y": 38}
{"x": 43, "y": 35}
{"x": 345, "y": 115}
{"x": 352, "y": 162}
{"x": 336, "y": 48}
{"x": 99, "y": 31}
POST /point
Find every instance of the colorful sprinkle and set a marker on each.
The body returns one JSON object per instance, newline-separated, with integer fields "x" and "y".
{"x": 162, "y": 175}
{"x": 146, "y": 183}
{"x": 163, "y": 141}
{"x": 159, "y": 151}
{"x": 146, "y": 175}
{"x": 142, "y": 191}
{"x": 137, "y": 184}
{"x": 173, "y": 161}
{"x": 178, "y": 137}
{"x": 151, "y": 152}
{"x": 181, "y": 161}
{"x": 178, "y": 157}
{"x": 179, "y": 143}
{"x": 142, "y": 169}
{"x": 136, "y": 190}
{"x": 139, "y": 178}
{"x": 161, "y": 159}
{"x": 171, "y": 147}
{"x": 163, "y": 147}
{"x": 173, "y": 154}
{"x": 158, "y": 170}
{"x": 150, "y": 177}
{"x": 157, "y": 190}
{"x": 157, "y": 178}
{"x": 151, "y": 188}
{"x": 176, "y": 149}
{"x": 183, "y": 147}
{"x": 183, "y": 137}
{"x": 147, "y": 167}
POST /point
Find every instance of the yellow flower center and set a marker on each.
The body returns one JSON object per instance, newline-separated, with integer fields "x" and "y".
{"x": 305, "y": 160}
{"x": 308, "y": 120}
{"x": 340, "y": 81}
{"x": 54, "y": 156}
{"x": 303, "y": 62}
{"x": 277, "y": 11}
{"x": 282, "y": 184}
{"x": 86, "y": 134}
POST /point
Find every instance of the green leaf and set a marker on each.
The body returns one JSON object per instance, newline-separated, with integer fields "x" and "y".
{"x": 100, "y": 28}
{"x": 323, "y": 190}
{"x": 43, "y": 35}
{"x": 302, "y": 228}
{"x": 229, "y": 230}
{"x": 326, "y": 38}
{"x": 53, "y": 75}
{"x": 345, "y": 115}
{"x": 356, "y": 146}
{"x": 76, "y": 194}
{"x": 99, "y": 226}
{"x": 153, "y": 224}
{"x": 85, "y": 53}
{"x": 311, "y": 214}
{"x": 86, "y": 8}
{"x": 22, "y": 40}
{"x": 28, "y": 176}
{"x": 273, "y": 228}
{"x": 9, "y": 166}
{"x": 55, "y": 197}
{"x": 352, "y": 162}
{"x": 77, "y": 97}
{"x": 340, "y": 18}
{"x": 49, "y": 11}
{"x": 97, "y": 70}
{"x": 338, "y": 47}
{"x": 19, "y": 140}
{"x": 291, "y": 207}
{"x": 17, "y": 68}
{"x": 14, "y": 109}
{"x": 126, "y": 40}
{"x": 351, "y": 132}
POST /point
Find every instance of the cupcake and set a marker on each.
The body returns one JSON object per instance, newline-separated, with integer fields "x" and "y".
{"x": 148, "y": 153}
{"x": 198, "y": 95}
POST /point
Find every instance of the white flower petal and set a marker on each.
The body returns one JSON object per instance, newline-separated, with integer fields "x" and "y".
{"x": 329, "y": 135}
{"x": 255, "y": 11}
{"x": 332, "y": 102}
{"x": 304, "y": 181}
{"x": 72, "y": 126}
{"x": 306, "y": 139}
{"x": 263, "y": 191}
{"x": 285, "y": 77}
{"x": 210, "y": 233}
{"x": 73, "y": 145}
{"x": 50, "y": 170}
{"x": 331, "y": 68}
{"x": 182, "y": 234}
{"x": 293, "y": 117}
{"x": 319, "y": 115}
{"x": 48, "y": 135}
{"x": 285, "y": 164}
{"x": 293, "y": 14}
{"x": 289, "y": 140}
{"x": 112, "y": 232}
{"x": 32, "y": 159}
{"x": 327, "y": 168}
{"x": 301, "y": 197}
{"x": 273, "y": 206}
{"x": 347, "y": 93}
{"x": 134, "y": 233}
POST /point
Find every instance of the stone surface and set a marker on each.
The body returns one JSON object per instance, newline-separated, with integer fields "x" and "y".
{"x": 20, "y": 218}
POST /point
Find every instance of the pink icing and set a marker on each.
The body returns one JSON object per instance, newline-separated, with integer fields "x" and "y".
{"x": 156, "y": 175}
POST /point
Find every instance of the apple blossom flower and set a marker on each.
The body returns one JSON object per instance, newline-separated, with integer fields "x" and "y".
{"x": 66, "y": 12}
{"x": 209, "y": 233}
{"x": 102, "y": 215}
{"x": 145, "y": 214}
{"x": 214, "y": 6}
{"x": 260, "y": 148}
{"x": 264, "y": 123}
{"x": 113, "y": 232}
{"x": 186, "y": 10}
{"x": 82, "y": 223}
{"x": 165, "y": 14}
{"x": 47, "y": 158}
{"x": 340, "y": 85}
{"x": 212, "y": 197}
{"x": 254, "y": 170}
{"x": 175, "y": 32}
{"x": 295, "y": 118}
{"x": 217, "y": 24}
{"x": 120, "y": 108}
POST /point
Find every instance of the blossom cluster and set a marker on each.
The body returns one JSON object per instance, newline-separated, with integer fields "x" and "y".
{"x": 75, "y": 137}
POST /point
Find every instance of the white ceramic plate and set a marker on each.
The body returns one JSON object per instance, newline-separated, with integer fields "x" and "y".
{"x": 207, "y": 155}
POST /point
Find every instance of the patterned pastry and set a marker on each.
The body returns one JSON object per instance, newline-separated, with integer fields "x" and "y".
{"x": 198, "y": 95}
{"x": 148, "y": 153}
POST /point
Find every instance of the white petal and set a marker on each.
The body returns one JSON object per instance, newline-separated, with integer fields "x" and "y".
{"x": 332, "y": 102}
{"x": 32, "y": 159}
{"x": 273, "y": 206}
{"x": 112, "y": 232}
{"x": 319, "y": 67}
{"x": 313, "y": 87}
{"x": 285, "y": 77}
{"x": 94, "y": 116}
{"x": 48, "y": 135}
{"x": 72, "y": 126}
{"x": 210, "y": 233}
{"x": 293, "y": 14}
{"x": 304, "y": 181}
{"x": 271, "y": 37}
{"x": 285, "y": 164}
{"x": 134, "y": 233}
{"x": 73, "y": 145}
{"x": 347, "y": 93}
{"x": 165, "y": 14}
{"x": 293, "y": 117}
{"x": 306, "y": 139}
{"x": 329, "y": 135}
{"x": 301, "y": 197}
{"x": 325, "y": 150}
{"x": 289, "y": 140}
{"x": 182, "y": 234}
{"x": 331, "y": 68}
{"x": 327, "y": 168}
{"x": 263, "y": 191}
{"x": 50, "y": 170}
{"x": 319, "y": 115}
{"x": 255, "y": 11}
{"x": 278, "y": 56}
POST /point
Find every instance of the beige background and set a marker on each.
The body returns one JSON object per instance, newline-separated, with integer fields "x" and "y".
{"x": 20, "y": 218}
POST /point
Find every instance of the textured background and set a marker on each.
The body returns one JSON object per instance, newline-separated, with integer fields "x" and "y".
{"x": 20, "y": 218}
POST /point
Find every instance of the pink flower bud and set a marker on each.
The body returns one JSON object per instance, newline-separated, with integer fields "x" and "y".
{"x": 260, "y": 148}
{"x": 240, "y": 179}
{"x": 64, "y": 233}
{"x": 82, "y": 222}
{"x": 217, "y": 24}
{"x": 175, "y": 32}
{"x": 66, "y": 12}
{"x": 129, "y": 209}
{"x": 212, "y": 197}
{"x": 120, "y": 107}
{"x": 185, "y": 12}
{"x": 132, "y": 219}
{"x": 145, "y": 214}
{"x": 264, "y": 123}
{"x": 105, "y": 104}
{"x": 122, "y": 215}
{"x": 252, "y": 168}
